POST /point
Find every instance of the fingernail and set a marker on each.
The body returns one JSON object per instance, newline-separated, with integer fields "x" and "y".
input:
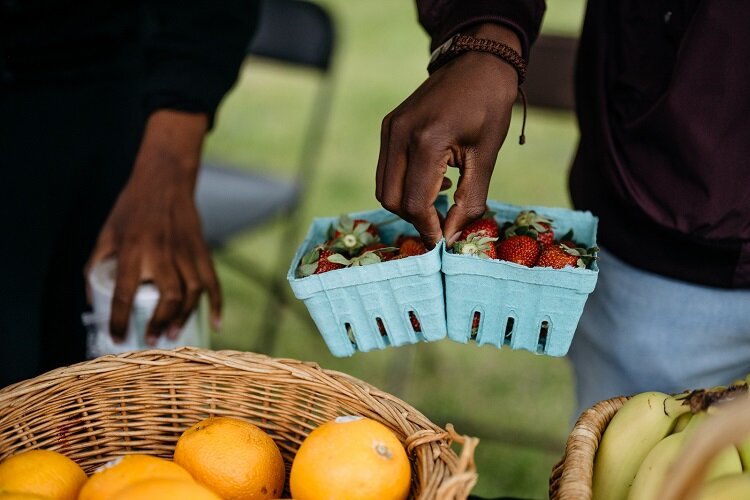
{"x": 173, "y": 332}
{"x": 151, "y": 340}
{"x": 453, "y": 239}
{"x": 216, "y": 324}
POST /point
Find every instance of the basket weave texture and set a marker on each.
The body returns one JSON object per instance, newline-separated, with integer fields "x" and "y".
{"x": 140, "y": 402}
{"x": 572, "y": 475}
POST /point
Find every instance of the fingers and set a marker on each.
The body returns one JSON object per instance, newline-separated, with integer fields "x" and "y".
{"x": 127, "y": 282}
{"x": 170, "y": 305}
{"x": 470, "y": 198}
{"x": 410, "y": 176}
{"x": 192, "y": 287}
{"x": 208, "y": 277}
{"x": 382, "y": 156}
{"x": 422, "y": 184}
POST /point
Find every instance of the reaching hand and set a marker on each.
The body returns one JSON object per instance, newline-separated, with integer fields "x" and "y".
{"x": 155, "y": 232}
{"x": 458, "y": 117}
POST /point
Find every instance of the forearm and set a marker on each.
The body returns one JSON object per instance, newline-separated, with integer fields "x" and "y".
{"x": 170, "y": 150}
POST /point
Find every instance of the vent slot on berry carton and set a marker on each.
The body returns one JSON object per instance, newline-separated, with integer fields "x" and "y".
{"x": 508, "y": 336}
{"x": 476, "y": 322}
{"x": 414, "y": 322}
{"x": 382, "y": 330}
{"x": 350, "y": 334}
{"x": 543, "y": 333}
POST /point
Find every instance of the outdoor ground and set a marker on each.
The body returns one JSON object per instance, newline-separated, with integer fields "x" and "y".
{"x": 519, "y": 404}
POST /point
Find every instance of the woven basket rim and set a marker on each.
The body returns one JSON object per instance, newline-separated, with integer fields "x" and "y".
{"x": 421, "y": 436}
{"x": 571, "y": 476}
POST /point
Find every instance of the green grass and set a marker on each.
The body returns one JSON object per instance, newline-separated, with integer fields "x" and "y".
{"x": 518, "y": 404}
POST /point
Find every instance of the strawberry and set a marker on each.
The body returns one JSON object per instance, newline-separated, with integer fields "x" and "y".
{"x": 363, "y": 259}
{"x": 317, "y": 261}
{"x": 401, "y": 238}
{"x": 414, "y": 322}
{"x": 350, "y": 236}
{"x": 486, "y": 225}
{"x": 411, "y": 247}
{"x": 568, "y": 241}
{"x": 383, "y": 251}
{"x": 530, "y": 223}
{"x": 521, "y": 249}
{"x": 476, "y": 244}
{"x": 560, "y": 256}
{"x": 475, "y": 324}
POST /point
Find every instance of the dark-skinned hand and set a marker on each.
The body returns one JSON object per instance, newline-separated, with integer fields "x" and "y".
{"x": 458, "y": 117}
{"x": 154, "y": 229}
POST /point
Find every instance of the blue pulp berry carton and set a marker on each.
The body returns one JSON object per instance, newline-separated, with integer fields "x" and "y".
{"x": 349, "y": 305}
{"x": 536, "y": 309}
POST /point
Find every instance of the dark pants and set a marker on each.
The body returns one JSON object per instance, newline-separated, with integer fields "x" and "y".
{"x": 65, "y": 152}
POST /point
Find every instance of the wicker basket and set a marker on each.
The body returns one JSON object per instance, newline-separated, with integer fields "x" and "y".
{"x": 141, "y": 402}
{"x": 571, "y": 476}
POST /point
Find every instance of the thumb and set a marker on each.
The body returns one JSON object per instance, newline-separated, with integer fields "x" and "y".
{"x": 470, "y": 198}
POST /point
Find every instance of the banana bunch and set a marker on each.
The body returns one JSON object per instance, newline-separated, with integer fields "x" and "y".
{"x": 645, "y": 437}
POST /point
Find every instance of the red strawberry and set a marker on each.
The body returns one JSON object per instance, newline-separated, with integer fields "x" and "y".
{"x": 350, "y": 236}
{"x": 476, "y": 244}
{"x": 531, "y": 223}
{"x": 414, "y": 322}
{"x": 486, "y": 225}
{"x": 475, "y": 324}
{"x": 568, "y": 241}
{"x": 411, "y": 247}
{"x": 383, "y": 251}
{"x": 521, "y": 249}
{"x": 560, "y": 256}
{"x": 317, "y": 261}
{"x": 401, "y": 238}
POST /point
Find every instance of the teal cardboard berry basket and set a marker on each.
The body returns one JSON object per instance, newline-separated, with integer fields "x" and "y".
{"x": 349, "y": 305}
{"x": 536, "y": 309}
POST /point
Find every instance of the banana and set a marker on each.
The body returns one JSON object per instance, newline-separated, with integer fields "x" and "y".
{"x": 743, "y": 448}
{"x": 655, "y": 466}
{"x": 681, "y": 422}
{"x": 731, "y": 487}
{"x": 644, "y": 420}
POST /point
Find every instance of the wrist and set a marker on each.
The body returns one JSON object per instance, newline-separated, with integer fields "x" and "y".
{"x": 461, "y": 44}
{"x": 496, "y": 32}
{"x": 171, "y": 148}
{"x": 176, "y": 137}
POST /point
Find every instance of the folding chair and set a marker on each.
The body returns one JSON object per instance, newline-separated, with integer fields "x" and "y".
{"x": 233, "y": 201}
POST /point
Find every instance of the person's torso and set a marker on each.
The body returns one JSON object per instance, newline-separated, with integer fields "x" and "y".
{"x": 57, "y": 40}
{"x": 663, "y": 97}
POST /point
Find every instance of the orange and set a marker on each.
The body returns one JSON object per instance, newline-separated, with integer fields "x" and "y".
{"x": 22, "y": 496}
{"x": 234, "y": 458}
{"x": 351, "y": 458}
{"x": 124, "y": 471}
{"x": 42, "y": 472}
{"x": 160, "y": 488}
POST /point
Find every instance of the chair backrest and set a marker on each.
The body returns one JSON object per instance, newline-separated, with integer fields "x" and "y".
{"x": 550, "y": 77}
{"x": 301, "y": 33}
{"x": 296, "y": 32}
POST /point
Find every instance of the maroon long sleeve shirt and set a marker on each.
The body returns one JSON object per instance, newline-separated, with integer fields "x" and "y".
{"x": 663, "y": 104}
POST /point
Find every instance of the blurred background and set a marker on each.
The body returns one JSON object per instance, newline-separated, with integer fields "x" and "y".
{"x": 519, "y": 404}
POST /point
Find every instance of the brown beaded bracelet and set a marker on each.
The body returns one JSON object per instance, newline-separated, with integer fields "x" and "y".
{"x": 458, "y": 44}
